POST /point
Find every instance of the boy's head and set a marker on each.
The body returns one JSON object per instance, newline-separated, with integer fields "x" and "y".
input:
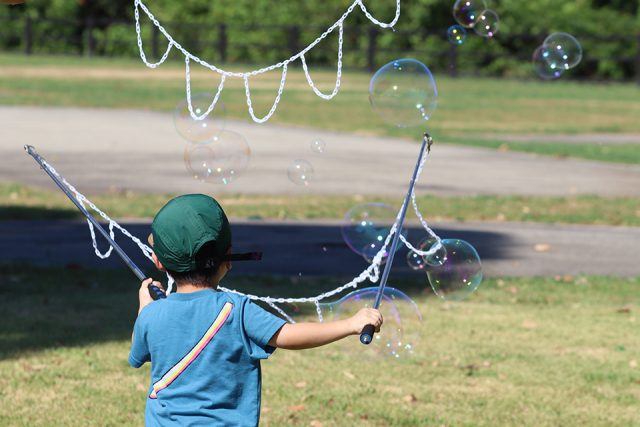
{"x": 190, "y": 236}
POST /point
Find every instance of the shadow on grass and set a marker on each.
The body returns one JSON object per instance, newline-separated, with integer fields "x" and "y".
{"x": 36, "y": 213}
{"x": 58, "y": 298}
{"x": 47, "y": 308}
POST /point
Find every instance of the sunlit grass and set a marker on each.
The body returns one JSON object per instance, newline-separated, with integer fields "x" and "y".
{"x": 18, "y": 201}
{"x": 520, "y": 352}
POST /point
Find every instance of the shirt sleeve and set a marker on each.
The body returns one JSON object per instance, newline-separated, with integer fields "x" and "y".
{"x": 259, "y": 326}
{"x": 139, "y": 349}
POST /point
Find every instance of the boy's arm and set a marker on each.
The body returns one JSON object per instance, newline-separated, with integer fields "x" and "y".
{"x": 299, "y": 336}
{"x": 144, "y": 298}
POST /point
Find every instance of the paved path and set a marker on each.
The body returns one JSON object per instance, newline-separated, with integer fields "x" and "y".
{"x": 104, "y": 149}
{"x": 315, "y": 248}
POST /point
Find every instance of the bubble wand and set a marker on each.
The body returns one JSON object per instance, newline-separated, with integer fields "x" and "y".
{"x": 367, "y": 333}
{"x": 154, "y": 291}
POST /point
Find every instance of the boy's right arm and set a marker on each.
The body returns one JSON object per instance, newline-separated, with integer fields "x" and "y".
{"x": 299, "y": 336}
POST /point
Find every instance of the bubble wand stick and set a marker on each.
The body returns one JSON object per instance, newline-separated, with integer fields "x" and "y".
{"x": 154, "y": 291}
{"x": 367, "y": 333}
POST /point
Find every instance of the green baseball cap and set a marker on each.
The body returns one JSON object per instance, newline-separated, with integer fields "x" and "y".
{"x": 184, "y": 225}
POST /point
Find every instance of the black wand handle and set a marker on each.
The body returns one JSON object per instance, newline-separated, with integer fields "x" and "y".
{"x": 155, "y": 292}
{"x": 366, "y": 336}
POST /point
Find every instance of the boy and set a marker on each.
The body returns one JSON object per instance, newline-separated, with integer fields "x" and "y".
{"x": 205, "y": 346}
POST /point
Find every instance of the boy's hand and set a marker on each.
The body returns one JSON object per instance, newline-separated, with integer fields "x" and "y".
{"x": 143, "y": 293}
{"x": 364, "y": 317}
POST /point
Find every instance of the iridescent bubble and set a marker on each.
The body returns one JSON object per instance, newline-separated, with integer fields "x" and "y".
{"x": 318, "y": 146}
{"x": 562, "y": 50}
{"x": 400, "y": 334}
{"x": 467, "y": 12}
{"x": 438, "y": 257}
{"x": 456, "y": 34}
{"x": 420, "y": 263}
{"x": 403, "y": 93}
{"x": 415, "y": 262}
{"x": 460, "y": 274}
{"x": 300, "y": 172}
{"x": 199, "y": 131}
{"x": 220, "y": 161}
{"x": 366, "y": 227}
{"x": 487, "y": 24}
{"x": 544, "y": 68}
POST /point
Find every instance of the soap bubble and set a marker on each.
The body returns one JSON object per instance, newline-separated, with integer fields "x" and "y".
{"x": 300, "y": 172}
{"x": 318, "y": 146}
{"x": 542, "y": 67}
{"x": 467, "y": 12}
{"x": 221, "y": 160}
{"x": 420, "y": 263}
{"x": 415, "y": 262}
{"x": 487, "y": 24}
{"x": 460, "y": 274}
{"x": 438, "y": 257}
{"x": 400, "y": 332}
{"x": 199, "y": 131}
{"x": 456, "y": 34}
{"x": 366, "y": 227}
{"x": 403, "y": 93}
{"x": 562, "y": 50}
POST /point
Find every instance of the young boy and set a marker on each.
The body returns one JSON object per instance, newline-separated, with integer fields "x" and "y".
{"x": 205, "y": 346}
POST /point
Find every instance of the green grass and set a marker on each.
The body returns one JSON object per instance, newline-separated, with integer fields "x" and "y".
{"x": 18, "y": 201}
{"x": 466, "y": 106}
{"x": 520, "y": 352}
{"x": 616, "y": 153}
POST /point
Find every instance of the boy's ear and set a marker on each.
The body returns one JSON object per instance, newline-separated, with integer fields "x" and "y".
{"x": 157, "y": 262}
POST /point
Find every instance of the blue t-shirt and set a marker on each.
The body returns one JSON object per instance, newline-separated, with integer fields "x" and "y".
{"x": 205, "y": 349}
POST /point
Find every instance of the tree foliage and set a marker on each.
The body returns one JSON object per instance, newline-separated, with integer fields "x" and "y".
{"x": 262, "y": 31}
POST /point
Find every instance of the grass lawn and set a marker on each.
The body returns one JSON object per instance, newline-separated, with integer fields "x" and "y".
{"x": 467, "y": 107}
{"x": 521, "y": 352}
{"x": 616, "y": 153}
{"x": 18, "y": 201}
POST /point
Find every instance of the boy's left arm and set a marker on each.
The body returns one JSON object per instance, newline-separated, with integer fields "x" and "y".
{"x": 299, "y": 336}
{"x": 144, "y": 297}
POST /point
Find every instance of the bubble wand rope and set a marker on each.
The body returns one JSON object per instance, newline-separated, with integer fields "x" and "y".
{"x": 367, "y": 333}
{"x": 154, "y": 291}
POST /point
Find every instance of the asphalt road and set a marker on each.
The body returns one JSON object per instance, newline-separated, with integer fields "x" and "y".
{"x": 314, "y": 248}
{"x": 98, "y": 150}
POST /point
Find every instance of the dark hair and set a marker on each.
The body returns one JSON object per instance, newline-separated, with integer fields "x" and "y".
{"x": 208, "y": 264}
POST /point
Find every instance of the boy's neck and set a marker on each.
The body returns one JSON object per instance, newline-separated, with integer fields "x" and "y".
{"x": 187, "y": 288}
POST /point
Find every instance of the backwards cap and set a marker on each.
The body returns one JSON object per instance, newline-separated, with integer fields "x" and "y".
{"x": 184, "y": 225}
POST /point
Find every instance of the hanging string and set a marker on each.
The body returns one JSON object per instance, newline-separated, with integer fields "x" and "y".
{"x": 172, "y": 43}
{"x": 371, "y": 273}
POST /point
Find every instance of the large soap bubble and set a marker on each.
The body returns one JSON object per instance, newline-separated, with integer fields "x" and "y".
{"x": 467, "y": 12}
{"x": 402, "y": 327}
{"x": 199, "y": 131}
{"x": 562, "y": 50}
{"x": 545, "y": 69}
{"x": 403, "y": 93}
{"x": 460, "y": 274}
{"x": 366, "y": 227}
{"x": 221, "y": 160}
